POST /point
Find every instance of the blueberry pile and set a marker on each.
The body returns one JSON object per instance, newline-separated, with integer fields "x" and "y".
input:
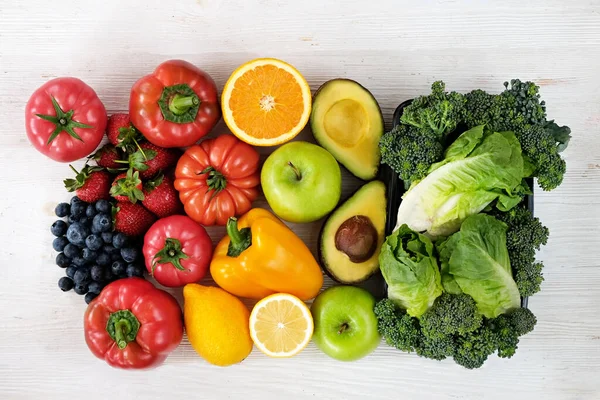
{"x": 91, "y": 253}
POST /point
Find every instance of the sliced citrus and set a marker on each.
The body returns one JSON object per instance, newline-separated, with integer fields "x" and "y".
{"x": 281, "y": 325}
{"x": 266, "y": 102}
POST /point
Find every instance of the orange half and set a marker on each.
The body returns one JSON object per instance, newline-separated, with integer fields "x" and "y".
{"x": 266, "y": 102}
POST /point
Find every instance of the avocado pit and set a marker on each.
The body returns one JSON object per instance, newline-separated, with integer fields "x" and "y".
{"x": 357, "y": 238}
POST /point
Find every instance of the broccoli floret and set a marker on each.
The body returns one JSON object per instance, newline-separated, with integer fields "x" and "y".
{"x": 505, "y": 336}
{"x": 436, "y": 348}
{"x": 437, "y": 113}
{"x": 451, "y": 314}
{"x": 409, "y": 153}
{"x": 399, "y": 329}
{"x": 540, "y": 146}
{"x": 525, "y": 234}
{"x": 522, "y": 320}
{"x": 473, "y": 349}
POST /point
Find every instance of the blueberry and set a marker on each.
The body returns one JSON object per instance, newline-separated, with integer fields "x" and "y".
{"x": 108, "y": 275}
{"x": 65, "y": 284}
{"x": 71, "y": 250}
{"x": 82, "y": 276}
{"x": 118, "y": 268}
{"x": 71, "y": 219}
{"x": 102, "y": 222}
{"x": 70, "y": 271}
{"x": 89, "y": 297}
{"x": 75, "y": 199}
{"x": 90, "y": 211}
{"x": 119, "y": 240}
{"x": 98, "y": 273}
{"x": 62, "y": 260}
{"x": 103, "y": 206}
{"x": 78, "y": 209}
{"x": 107, "y": 237}
{"x": 81, "y": 289}
{"x": 103, "y": 259}
{"x": 88, "y": 255}
{"x": 59, "y": 243}
{"x": 134, "y": 270}
{"x": 129, "y": 254}
{"x": 95, "y": 287}
{"x": 93, "y": 242}
{"x": 62, "y": 210}
{"x": 59, "y": 228}
{"x": 77, "y": 233}
{"x": 79, "y": 261}
{"x": 85, "y": 221}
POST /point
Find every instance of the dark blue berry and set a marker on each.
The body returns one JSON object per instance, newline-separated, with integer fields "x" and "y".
{"x": 129, "y": 254}
{"x": 88, "y": 255}
{"x": 85, "y": 221}
{"x": 107, "y": 237}
{"x": 102, "y": 222}
{"x": 103, "y": 206}
{"x": 94, "y": 242}
{"x": 75, "y": 199}
{"x": 62, "y": 260}
{"x": 59, "y": 228}
{"x": 79, "y": 261}
{"x": 71, "y": 219}
{"x": 81, "y": 289}
{"x": 71, "y": 250}
{"x": 119, "y": 240}
{"x": 134, "y": 270}
{"x": 62, "y": 210}
{"x": 70, "y": 271}
{"x": 59, "y": 243}
{"x": 103, "y": 259}
{"x": 65, "y": 284}
{"x": 89, "y": 297}
{"x": 98, "y": 273}
{"x": 118, "y": 268}
{"x": 77, "y": 233}
{"x": 90, "y": 211}
{"x": 78, "y": 209}
{"x": 82, "y": 276}
{"x": 95, "y": 287}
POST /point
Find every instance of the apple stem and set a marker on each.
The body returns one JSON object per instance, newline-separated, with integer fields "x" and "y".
{"x": 296, "y": 170}
{"x": 343, "y": 328}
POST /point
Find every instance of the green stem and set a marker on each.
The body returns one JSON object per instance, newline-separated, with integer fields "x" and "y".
{"x": 181, "y": 104}
{"x": 122, "y": 326}
{"x": 170, "y": 253}
{"x": 240, "y": 239}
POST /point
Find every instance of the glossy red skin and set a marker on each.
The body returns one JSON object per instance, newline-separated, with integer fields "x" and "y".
{"x": 71, "y": 94}
{"x": 161, "y": 324}
{"x": 237, "y": 161}
{"x": 147, "y": 117}
{"x": 195, "y": 243}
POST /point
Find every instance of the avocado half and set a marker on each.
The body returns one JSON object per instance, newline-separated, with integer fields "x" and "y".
{"x": 352, "y": 236}
{"x": 347, "y": 121}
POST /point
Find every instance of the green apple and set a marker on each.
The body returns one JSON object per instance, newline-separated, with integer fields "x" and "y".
{"x": 345, "y": 324}
{"x": 302, "y": 182}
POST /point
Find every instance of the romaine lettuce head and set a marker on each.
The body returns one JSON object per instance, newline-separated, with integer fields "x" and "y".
{"x": 477, "y": 169}
{"x": 410, "y": 269}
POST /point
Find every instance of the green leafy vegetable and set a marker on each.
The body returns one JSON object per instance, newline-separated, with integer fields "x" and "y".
{"x": 410, "y": 269}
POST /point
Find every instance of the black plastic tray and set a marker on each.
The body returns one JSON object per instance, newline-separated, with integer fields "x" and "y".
{"x": 395, "y": 190}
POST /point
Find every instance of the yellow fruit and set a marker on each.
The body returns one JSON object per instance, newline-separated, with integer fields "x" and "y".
{"x": 216, "y": 324}
{"x": 266, "y": 102}
{"x": 281, "y": 325}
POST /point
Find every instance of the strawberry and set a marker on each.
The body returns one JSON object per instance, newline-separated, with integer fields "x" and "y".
{"x": 108, "y": 157}
{"x": 122, "y": 133}
{"x": 127, "y": 187}
{"x": 161, "y": 197}
{"x": 90, "y": 185}
{"x": 151, "y": 159}
{"x": 132, "y": 219}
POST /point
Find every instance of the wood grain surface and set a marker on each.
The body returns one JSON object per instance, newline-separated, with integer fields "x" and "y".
{"x": 394, "y": 48}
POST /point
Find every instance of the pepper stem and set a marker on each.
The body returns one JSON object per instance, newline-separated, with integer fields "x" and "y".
{"x": 122, "y": 326}
{"x": 240, "y": 239}
{"x": 296, "y": 170}
{"x": 180, "y": 104}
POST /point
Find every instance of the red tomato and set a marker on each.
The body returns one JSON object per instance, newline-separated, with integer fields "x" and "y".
{"x": 132, "y": 324}
{"x": 218, "y": 179}
{"x": 65, "y": 120}
{"x": 175, "y": 105}
{"x": 177, "y": 251}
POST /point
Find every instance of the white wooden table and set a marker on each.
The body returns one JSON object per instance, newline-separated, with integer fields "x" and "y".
{"x": 394, "y": 48}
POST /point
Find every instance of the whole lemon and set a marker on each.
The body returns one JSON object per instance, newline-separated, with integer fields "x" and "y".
{"x": 217, "y": 324}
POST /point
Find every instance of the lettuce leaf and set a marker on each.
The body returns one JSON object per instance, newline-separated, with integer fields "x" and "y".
{"x": 410, "y": 269}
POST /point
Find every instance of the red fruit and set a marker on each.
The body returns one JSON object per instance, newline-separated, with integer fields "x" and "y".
{"x": 108, "y": 157}
{"x": 132, "y": 219}
{"x": 127, "y": 187}
{"x": 121, "y": 133}
{"x": 161, "y": 197}
{"x": 153, "y": 159}
{"x": 90, "y": 185}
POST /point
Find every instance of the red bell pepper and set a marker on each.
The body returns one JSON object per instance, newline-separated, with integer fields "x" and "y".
{"x": 176, "y": 105}
{"x": 132, "y": 324}
{"x": 177, "y": 251}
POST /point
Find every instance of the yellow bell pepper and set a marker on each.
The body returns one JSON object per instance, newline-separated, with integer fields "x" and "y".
{"x": 260, "y": 256}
